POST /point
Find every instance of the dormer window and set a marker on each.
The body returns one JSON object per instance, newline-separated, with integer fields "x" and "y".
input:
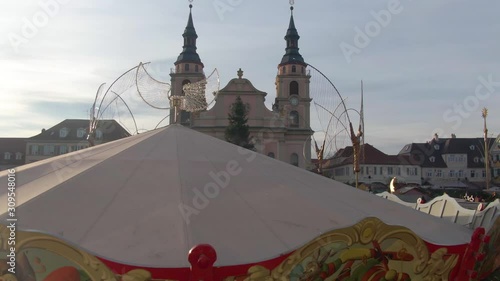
{"x": 6, "y": 156}
{"x": 476, "y": 159}
{"x": 80, "y": 132}
{"x": 19, "y": 156}
{"x": 432, "y": 159}
{"x": 472, "y": 147}
{"x": 436, "y": 146}
{"x": 63, "y": 132}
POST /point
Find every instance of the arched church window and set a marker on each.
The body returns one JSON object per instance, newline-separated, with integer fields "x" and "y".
{"x": 186, "y": 67}
{"x": 294, "y": 159}
{"x": 196, "y": 68}
{"x": 294, "y": 88}
{"x": 283, "y": 70}
{"x": 302, "y": 70}
{"x": 271, "y": 154}
{"x": 294, "y": 68}
{"x": 294, "y": 118}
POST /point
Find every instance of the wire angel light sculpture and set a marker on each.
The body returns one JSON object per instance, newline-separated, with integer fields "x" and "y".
{"x": 139, "y": 102}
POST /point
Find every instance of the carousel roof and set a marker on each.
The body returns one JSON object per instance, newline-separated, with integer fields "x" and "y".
{"x": 147, "y": 199}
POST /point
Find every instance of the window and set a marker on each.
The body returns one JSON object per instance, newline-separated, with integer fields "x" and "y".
{"x": 439, "y": 173}
{"x": 362, "y": 170}
{"x": 186, "y": 67}
{"x": 196, "y": 68}
{"x": 497, "y": 157}
{"x": 271, "y": 154}
{"x": 294, "y": 69}
{"x": 452, "y": 158}
{"x": 294, "y": 88}
{"x": 460, "y": 173}
{"x": 80, "y": 132}
{"x": 472, "y": 174}
{"x": 476, "y": 159}
{"x": 411, "y": 171}
{"x": 436, "y": 146}
{"x": 98, "y": 134}
{"x": 472, "y": 147}
{"x": 390, "y": 171}
{"x": 19, "y": 156}
{"x": 432, "y": 159}
{"x": 294, "y": 159}
{"x": 399, "y": 171}
{"x": 429, "y": 173}
{"x": 451, "y": 174}
{"x": 294, "y": 118}
{"x": 283, "y": 70}
{"x": 380, "y": 170}
{"x": 484, "y": 173}
{"x": 48, "y": 149}
{"x": 63, "y": 132}
{"x": 374, "y": 170}
{"x": 303, "y": 70}
{"x": 63, "y": 149}
{"x": 6, "y": 156}
{"x": 33, "y": 149}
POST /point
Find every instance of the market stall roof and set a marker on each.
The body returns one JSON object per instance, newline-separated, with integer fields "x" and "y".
{"x": 146, "y": 200}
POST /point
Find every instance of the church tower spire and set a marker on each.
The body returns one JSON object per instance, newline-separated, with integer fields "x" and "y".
{"x": 189, "y": 54}
{"x": 292, "y": 37}
{"x": 188, "y": 69}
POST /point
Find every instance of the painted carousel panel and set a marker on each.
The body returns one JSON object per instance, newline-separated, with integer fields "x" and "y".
{"x": 369, "y": 250}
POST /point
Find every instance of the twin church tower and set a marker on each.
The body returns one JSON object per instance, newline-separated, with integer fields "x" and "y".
{"x": 282, "y": 132}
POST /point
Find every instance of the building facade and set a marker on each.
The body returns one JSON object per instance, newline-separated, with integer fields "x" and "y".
{"x": 68, "y": 136}
{"x": 12, "y": 152}
{"x": 495, "y": 157}
{"x": 282, "y": 132}
{"x": 375, "y": 167}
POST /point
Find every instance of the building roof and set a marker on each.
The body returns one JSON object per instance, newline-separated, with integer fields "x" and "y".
{"x": 148, "y": 199}
{"x": 430, "y": 155}
{"x": 368, "y": 155}
{"x": 111, "y": 130}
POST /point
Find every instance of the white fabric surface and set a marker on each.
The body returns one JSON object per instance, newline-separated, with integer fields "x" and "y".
{"x": 121, "y": 201}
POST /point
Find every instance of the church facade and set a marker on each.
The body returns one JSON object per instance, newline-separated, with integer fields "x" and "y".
{"x": 282, "y": 132}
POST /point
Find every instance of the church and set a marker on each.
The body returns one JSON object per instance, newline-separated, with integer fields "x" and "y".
{"x": 283, "y": 132}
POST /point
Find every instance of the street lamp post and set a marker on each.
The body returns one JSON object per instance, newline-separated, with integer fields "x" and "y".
{"x": 486, "y": 149}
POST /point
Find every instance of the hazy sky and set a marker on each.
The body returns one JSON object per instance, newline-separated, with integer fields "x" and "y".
{"x": 427, "y": 65}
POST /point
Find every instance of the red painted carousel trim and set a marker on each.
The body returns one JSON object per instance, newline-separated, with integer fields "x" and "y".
{"x": 454, "y": 250}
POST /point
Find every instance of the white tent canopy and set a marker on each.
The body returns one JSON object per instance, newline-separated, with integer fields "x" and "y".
{"x": 122, "y": 201}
